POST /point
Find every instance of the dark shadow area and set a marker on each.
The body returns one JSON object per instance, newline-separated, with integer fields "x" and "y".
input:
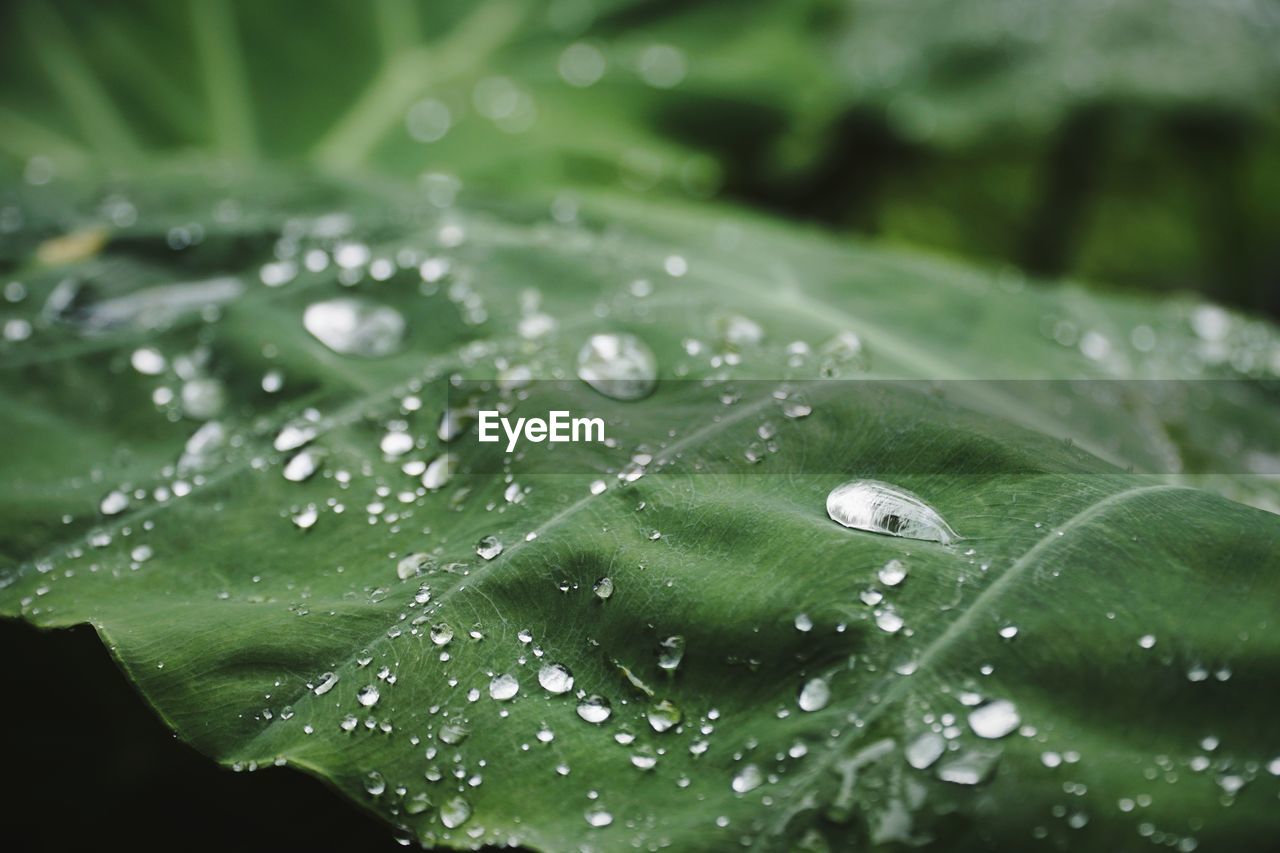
{"x": 93, "y": 767}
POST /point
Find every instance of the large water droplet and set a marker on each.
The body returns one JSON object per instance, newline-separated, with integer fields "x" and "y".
{"x": 555, "y": 678}
{"x": 368, "y": 696}
{"x": 925, "y": 749}
{"x": 301, "y": 466}
{"x": 455, "y": 812}
{"x": 594, "y": 709}
{"x": 971, "y": 767}
{"x": 489, "y": 547}
{"x": 619, "y": 366}
{"x": 355, "y": 327}
{"x": 663, "y": 715}
{"x": 374, "y": 783}
{"x": 504, "y": 687}
{"x": 814, "y": 695}
{"x": 748, "y": 779}
{"x": 893, "y": 573}
{"x": 881, "y": 508}
{"x": 994, "y": 719}
{"x": 671, "y": 652}
{"x": 114, "y": 503}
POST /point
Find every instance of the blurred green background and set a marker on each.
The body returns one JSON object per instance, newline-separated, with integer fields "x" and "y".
{"x": 1127, "y": 143}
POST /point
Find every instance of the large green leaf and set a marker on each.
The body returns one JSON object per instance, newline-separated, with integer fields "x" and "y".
{"x": 1128, "y": 618}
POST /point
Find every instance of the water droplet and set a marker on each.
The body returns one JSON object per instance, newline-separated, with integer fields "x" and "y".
{"x": 748, "y": 779}
{"x": 374, "y": 783}
{"x": 598, "y": 487}
{"x": 925, "y": 749}
{"x": 148, "y": 361}
{"x": 368, "y": 696}
{"x": 396, "y": 443}
{"x": 302, "y": 466}
{"x": 994, "y": 719}
{"x": 555, "y": 678}
{"x": 804, "y": 623}
{"x": 598, "y": 818}
{"x": 971, "y": 767}
{"x": 1008, "y": 632}
{"x": 441, "y": 634}
{"x": 504, "y": 687}
{"x": 881, "y": 508}
{"x": 489, "y": 547}
{"x": 663, "y": 715}
{"x": 814, "y": 695}
{"x": 439, "y": 472}
{"x": 355, "y": 327}
{"x": 417, "y": 804}
{"x": 594, "y": 709}
{"x": 114, "y": 503}
{"x": 1147, "y": 641}
{"x": 293, "y": 436}
{"x": 327, "y": 681}
{"x": 618, "y": 365}
{"x": 306, "y": 519}
{"x": 411, "y": 565}
{"x": 889, "y": 621}
{"x": 454, "y": 732}
{"x": 671, "y": 652}
{"x": 455, "y": 812}
{"x": 603, "y": 588}
{"x": 893, "y": 573}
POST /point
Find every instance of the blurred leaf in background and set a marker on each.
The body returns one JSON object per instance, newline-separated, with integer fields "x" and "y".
{"x": 1135, "y": 143}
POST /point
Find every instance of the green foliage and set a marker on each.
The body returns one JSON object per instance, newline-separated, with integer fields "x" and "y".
{"x": 228, "y": 613}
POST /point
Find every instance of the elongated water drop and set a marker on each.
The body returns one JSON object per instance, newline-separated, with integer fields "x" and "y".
{"x": 619, "y": 366}
{"x": 355, "y": 327}
{"x": 881, "y": 508}
{"x": 663, "y": 715}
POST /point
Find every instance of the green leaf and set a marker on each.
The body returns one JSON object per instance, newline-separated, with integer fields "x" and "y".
{"x": 1144, "y": 608}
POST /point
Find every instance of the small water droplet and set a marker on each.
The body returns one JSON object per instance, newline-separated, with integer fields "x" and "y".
{"x": 671, "y": 652}
{"x": 971, "y": 767}
{"x": 454, "y": 732}
{"x": 374, "y": 783}
{"x": 603, "y": 588}
{"x": 663, "y": 715}
{"x": 114, "y": 503}
{"x": 618, "y": 365}
{"x": 747, "y": 779}
{"x": 439, "y": 472}
{"x": 504, "y": 687}
{"x": 814, "y": 695}
{"x": 994, "y": 719}
{"x": 355, "y": 327}
{"x": 368, "y": 696}
{"x": 925, "y": 749}
{"x": 302, "y": 466}
{"x": 489, "y": 547}
{"x": 881, "y": 508}
{"x": 598, "y": 818}
{"x": 455, "y": 812}
{"x": 594, "y": 709}
{"x": 327, "y": 681}
{"x": 441, "y": 634}
{"x": 893, "y": 573}
{"x": 555, "y": 678}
